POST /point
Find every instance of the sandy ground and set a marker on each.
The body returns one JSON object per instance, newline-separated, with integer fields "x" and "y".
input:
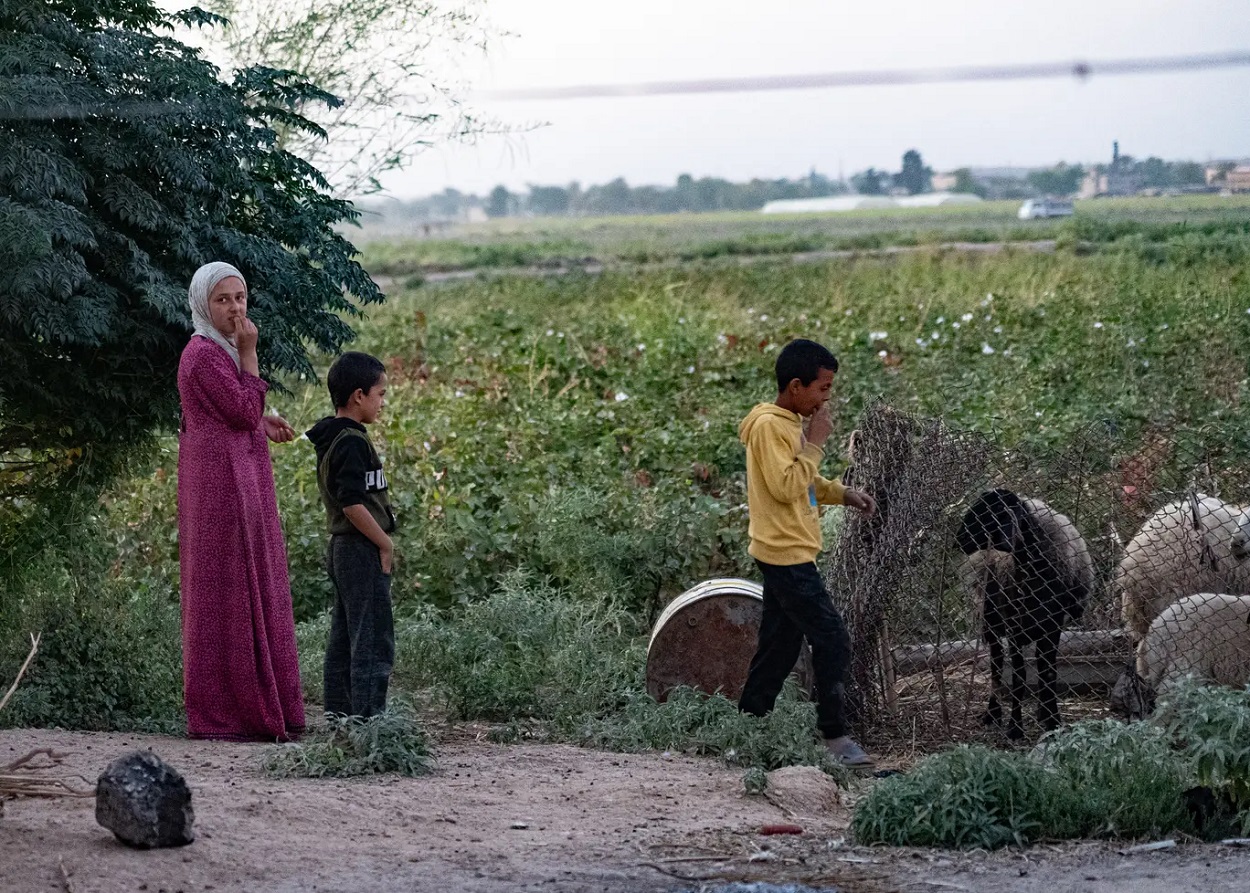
{"x": 523, "y": 817}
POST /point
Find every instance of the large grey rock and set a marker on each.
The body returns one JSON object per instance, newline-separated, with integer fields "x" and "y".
{"x": 145, "y": 802}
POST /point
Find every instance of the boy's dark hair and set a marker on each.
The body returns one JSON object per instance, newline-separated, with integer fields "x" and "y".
{"x": 351, "y": 371}
{"x": 803, "y": 359}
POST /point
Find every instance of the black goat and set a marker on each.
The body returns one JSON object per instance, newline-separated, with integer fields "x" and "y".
{"x": 1032, "y": 571}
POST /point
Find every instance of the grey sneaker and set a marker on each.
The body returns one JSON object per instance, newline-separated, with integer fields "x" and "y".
{"x": 847, "y": 752}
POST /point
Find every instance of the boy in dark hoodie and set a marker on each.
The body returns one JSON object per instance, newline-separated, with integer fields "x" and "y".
{"x": 784, "y": 495}
{"x": 361, "y": 649}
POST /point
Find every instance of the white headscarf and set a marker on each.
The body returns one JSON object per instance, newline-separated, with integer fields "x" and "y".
{"x": 203, "y": 282}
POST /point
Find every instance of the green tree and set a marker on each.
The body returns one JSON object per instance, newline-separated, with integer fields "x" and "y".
{"x": 125, "y": 163}
{"x": 915, "y": 176}
{"x": 870, "y": 182}
{"x": 1059, "y": 180}
{"x": 548, "y": 200}
{"x": 966, "y": 182}
{"x": 499, "y": 203}
{"x": 375, "y": 55}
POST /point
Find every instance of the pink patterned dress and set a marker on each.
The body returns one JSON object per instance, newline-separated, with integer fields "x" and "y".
{"x": 240, "y": 667}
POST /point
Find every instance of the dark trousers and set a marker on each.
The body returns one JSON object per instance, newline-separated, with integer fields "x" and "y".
{"x": 797, "y": 606}
{"x": 361, "y": 649}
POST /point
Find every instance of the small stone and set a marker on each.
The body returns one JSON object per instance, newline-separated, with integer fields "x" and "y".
{"x": 519, "y": 826}
{"x": 145, "y": 802}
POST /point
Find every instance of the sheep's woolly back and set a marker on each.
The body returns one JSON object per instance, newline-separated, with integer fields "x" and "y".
{"x": 1206, "y": 636}
{"x": 1070, "y": 553}
{"x": 981, "y": 569}
{"x": 1169, "y": 559}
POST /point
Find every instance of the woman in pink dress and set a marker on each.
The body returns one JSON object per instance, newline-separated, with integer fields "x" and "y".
{"x": 240, "y": 667}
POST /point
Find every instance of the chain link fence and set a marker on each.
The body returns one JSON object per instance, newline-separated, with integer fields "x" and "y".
{"x": 1076, "y": 554}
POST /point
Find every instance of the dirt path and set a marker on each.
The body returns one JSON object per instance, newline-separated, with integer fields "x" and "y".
{"x": 595, "y": 267}
{"x": 508, "y": 818}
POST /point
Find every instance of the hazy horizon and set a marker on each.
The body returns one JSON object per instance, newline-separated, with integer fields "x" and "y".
{"x": 1198, "y": 116}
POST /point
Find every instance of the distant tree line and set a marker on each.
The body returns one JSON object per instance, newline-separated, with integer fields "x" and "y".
{"x": 715, "y": 194}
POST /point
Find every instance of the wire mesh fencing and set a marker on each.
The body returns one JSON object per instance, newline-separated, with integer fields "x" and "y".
{"x": 991, "y": 576}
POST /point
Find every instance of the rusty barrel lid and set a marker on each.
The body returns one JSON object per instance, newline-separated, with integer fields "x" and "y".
{"x": 705, "y": 638}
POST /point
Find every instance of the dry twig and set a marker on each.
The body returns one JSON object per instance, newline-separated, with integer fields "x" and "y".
{"x": 34, "y": 646}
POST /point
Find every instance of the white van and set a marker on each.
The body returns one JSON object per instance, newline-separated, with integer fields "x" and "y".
{"x": 1035, "y": 208}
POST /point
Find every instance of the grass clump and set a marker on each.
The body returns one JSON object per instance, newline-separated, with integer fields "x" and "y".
{"x": 1211, "y": 724}
{"x": 970, "y": 796}
{"x": 693, "y": 723}
{"x": 524, "y": 652}
{"x": 392, "y": 742}
{"x": 1101, "y": 778}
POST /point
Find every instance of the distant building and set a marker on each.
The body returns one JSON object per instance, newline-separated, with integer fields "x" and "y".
{"x": 1238, "y": 179}
{"x": 867, "y": 202}
{"x": 1116, "y": 178}
{"x": 943, "y": 182}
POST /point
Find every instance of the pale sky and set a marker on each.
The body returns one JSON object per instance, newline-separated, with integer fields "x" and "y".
{"x": 1193, "y": 115}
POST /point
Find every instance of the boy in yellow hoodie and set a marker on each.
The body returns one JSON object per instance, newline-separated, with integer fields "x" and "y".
{"x": 784, "y": 495}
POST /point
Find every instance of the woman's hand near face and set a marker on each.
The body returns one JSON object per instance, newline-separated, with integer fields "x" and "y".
{"x": 245, "y": 335}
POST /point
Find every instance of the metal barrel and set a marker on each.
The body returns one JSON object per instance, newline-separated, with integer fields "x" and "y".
{"x": 705, "y": 638}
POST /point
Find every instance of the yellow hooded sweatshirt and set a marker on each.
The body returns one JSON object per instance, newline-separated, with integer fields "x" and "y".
{"x": 784, "y": 487}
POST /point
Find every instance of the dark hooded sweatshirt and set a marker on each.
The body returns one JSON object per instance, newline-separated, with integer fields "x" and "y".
{"x": 349, "y": 472}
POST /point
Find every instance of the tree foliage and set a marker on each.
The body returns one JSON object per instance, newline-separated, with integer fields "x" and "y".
{"x": 125, "y": 163}
{"x": 375, "y": 55}
{"x": 914, "y": 177}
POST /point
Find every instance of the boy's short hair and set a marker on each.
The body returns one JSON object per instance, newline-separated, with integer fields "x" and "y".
{"x": 803, "y": 359}
{"x": 351, "y": 371}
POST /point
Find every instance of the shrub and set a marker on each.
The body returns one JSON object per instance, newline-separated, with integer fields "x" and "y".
{"x": 523, "y": 652}
{"x": 970, "y": 796}
{"x": 391, "y": 742}
{"x": 110, "y": 655}
{"x": 1212, "y": 726}
{"x": 694, "y": 723}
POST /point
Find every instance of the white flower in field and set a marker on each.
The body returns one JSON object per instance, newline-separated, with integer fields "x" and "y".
{"x": 681, "y": 320}
{"x": 986, "y": 349}
{"x": 1038, "y": 413}
{"x": 769, "y": 348}
{"x": 988, "y": 317}
{"x": 848, "y": 312}
{"x": 550, "y": 332}
{"x": 882, "y": 354}
{"x": 690, "y": 369}
{"x": 967, "y": 317}
{"x": 941, "y": 319}
{"x": 998, "y": 330}
{"x": 1145, "y": 364}
{"x": 721, "y": 339}
{"x": 641, "y": 348}
{"x": 426, "y": 445}
{"x": 935, "y": 335}
{"x": 750, "y": 311}
{"x": 621, "y": 397}
{"x": 1007, "y": 352}
{"x": 902, "y": 319}
{"x": 920, "y": 342}
{"x": 763, "y": 317}
{"x": 955, "y": 324}
{"x": 1162, "y": 327}
{"x": 559, "y": 334}
{"x": 988, "y": 297}
{"x": 1132, "y": 343}
{"x": 1097, "y": 325}
{"x": 877, "y": 336}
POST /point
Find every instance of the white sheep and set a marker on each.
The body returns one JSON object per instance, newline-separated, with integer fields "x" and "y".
{"x": 1194, "y": 545}
{"x": 1206, "y": 636}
